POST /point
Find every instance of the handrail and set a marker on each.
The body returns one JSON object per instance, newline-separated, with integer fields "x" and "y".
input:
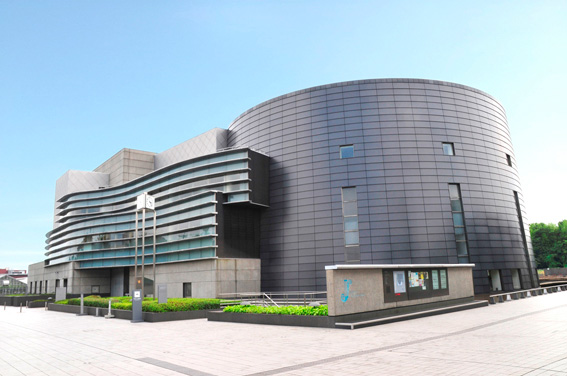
{"x": 278, "y": 298}
{"x": 270, "y": 299}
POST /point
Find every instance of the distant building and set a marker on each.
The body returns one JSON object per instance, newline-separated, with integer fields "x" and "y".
{"x": 391, "y": 171}
{"x": 14, "y": 273}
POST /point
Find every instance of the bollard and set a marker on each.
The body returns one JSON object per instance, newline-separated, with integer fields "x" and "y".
{"x": 96, "y": 312}
{"x": 20, "y": 307}
{"x": 46, "y": 306}
{"x": 82, "y": 312}
{"x": 110, "y": 315}
{"x": 4, "y": 305}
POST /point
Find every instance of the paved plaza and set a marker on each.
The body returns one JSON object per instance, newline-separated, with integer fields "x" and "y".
{"x": 525, "y": 337}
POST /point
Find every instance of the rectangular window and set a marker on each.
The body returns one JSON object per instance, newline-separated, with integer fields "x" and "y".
{"x": 459, "y": 223}
{"x": 509, "y": 160}
{"x": 516, "y": 280}
{"x": 187, "y": 291}
{"x": 524, "y": 239}
{"x": 346, "y": 151}
{"x": 46, "y": 287}
{"x": 448, "y": 148}
{"x": 64, "y": 282}
{"x": 350, "y": 216}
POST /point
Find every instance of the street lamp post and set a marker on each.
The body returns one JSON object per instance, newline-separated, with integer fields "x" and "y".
{"x": 143, "y": 202}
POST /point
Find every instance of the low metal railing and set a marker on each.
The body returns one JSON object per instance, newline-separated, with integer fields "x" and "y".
{"x": 13, "y": 291}
{"x": 277, "y": 299}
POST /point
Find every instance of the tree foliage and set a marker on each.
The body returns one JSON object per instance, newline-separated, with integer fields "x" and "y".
{"x": 549, "y": 242}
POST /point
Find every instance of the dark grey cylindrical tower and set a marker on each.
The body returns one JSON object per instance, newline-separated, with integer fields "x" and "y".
{"x": 388, "y": 171}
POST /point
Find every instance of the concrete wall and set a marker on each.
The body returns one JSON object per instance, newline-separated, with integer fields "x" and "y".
{"x": 37, "y": 272}
{"x": 208, "y": 277}
{"x": 366, "y": 292}
{"x": 126, "y": 165}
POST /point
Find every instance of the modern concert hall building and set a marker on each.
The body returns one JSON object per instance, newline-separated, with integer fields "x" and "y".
{"x": 385, "y": 171}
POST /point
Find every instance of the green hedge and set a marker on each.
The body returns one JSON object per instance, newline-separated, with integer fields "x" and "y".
{"x": 148, "y": 304}
{"x": 322, "y": 310}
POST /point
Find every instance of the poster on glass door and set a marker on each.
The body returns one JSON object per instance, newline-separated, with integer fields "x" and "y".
{"x": 399, "y": 282}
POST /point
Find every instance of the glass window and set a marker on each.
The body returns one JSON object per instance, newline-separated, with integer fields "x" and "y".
{"x": 460, "y": 234}
{"x": 456, "y": 206}
{"x": 351, "y": 238}
{"x": 350, "y": 215}
{"x": 458, "y": 219}
{"x": 509, "y": 160}
{"x": 346, "y": 151}
{"x": 459, "y": 223}
{"x": 349, "y": 194}
{"x": 351, "y": 223}
{"x": 462, "y": 249}
{"x": 454, "y": 191}
{"x": 448, "y": 148}
{"x": 350, "y": 208}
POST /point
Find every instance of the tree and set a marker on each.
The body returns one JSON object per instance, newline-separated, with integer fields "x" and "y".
{"x": 549, "y": 242}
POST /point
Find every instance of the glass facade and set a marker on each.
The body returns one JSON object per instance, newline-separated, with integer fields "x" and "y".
{"x": 96, "y": 228}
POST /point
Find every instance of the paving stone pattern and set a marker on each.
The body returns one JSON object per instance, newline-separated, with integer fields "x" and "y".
{"x": 525, "y": 337}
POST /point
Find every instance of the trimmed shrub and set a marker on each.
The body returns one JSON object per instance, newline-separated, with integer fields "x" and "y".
{"x": 322, "y": 310}
{"x": 148, "y": 304}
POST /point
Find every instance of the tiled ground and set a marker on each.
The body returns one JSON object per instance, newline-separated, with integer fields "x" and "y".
{"x": 526, "y": 337}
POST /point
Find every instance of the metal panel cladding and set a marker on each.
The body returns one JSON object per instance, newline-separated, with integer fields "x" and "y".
{"x": 410, "y": 139}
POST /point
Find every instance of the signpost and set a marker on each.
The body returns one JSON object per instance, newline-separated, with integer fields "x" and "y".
{"x": 137, "y": 306}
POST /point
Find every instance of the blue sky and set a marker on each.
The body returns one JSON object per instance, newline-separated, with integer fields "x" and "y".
{"x": 80, "y": 80}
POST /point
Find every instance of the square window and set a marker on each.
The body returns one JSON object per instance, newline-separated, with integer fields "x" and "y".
{"x": 350, "y": 209}
{"x": 448, "y": 148}
{"x": 346, "y": 151}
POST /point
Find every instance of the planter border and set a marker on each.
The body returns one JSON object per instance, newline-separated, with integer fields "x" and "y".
{"x": 272, "y": 319}
{"x": 127, "y": 315}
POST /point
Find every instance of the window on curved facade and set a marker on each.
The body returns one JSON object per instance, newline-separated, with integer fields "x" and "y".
{"x": 448, "y": 148}
{"x": 459, "y": 223}
{"x": 350, "y": 216}
{"x": 346, "y": 151}
{"x": 509, "y": 160}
